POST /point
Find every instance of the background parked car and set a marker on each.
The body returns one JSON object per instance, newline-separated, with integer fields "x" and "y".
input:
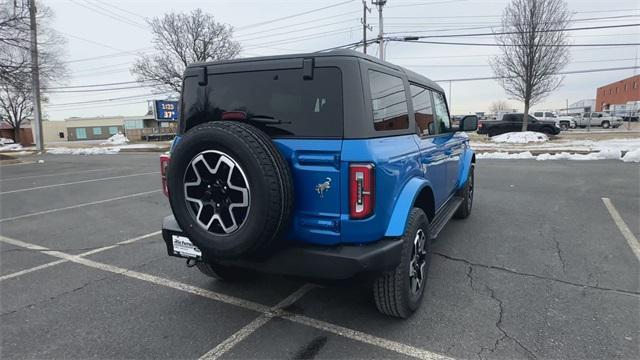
{"x": 513, "y": 122}
{"x": 563, "y": 122}
{"x": 598, "y": 119}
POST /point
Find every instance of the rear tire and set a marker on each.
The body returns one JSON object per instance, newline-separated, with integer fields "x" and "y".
{"x": 225, "y": 273}
{"x": 466, "y": 193}
{"x": 605, "y": 125}
{"x": 399, "y": 292}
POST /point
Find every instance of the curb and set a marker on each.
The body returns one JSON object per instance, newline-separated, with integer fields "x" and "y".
{"x": 539, "y": 152}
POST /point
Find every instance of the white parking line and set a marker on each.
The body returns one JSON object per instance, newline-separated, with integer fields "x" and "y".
{"x": 79, "y": 205}
{"x": 250, "y": 328}
{"x": 20, "y": 163}
{"x": 78, "y": 182}
{"x": 622, "y": 226}
{"x": 94, "y": 251}
{"x": 246, "y": 304}
{"x": 366, "y": 338}
{"x": 58, "y": 174}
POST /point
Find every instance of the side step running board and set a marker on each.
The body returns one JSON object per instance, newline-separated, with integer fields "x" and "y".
{"x": 444, "y": 215}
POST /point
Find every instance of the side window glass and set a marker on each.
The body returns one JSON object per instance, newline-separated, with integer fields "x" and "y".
{"x": 442, "y": 115}
{"x": 389, "y": 102}
{"x": 537, "y": 114}
{"x": 423, "y": 110}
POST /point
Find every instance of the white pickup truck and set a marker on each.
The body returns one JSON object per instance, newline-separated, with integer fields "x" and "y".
{"x": 602, "y": 119}
{"x": 563, "y": 122}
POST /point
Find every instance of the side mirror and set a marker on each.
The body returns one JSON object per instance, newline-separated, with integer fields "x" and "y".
{"x": 469, "y": 123}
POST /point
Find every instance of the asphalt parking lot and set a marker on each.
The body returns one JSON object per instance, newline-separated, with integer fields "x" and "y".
{"x": 539, "y": 270}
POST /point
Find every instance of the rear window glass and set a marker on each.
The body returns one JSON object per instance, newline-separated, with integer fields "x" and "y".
{"x": 389, "y": 102}
{"x": 304, "y": 108}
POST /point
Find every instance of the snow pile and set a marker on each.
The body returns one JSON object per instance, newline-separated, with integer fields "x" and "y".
{"x": 522, "y": 137}
{"x": 84, "y": 151}
{"x": 4, "y": 141}
{"x": 608, "y": 154}
{"x": 505, "y": 155}
{"x": 117, "y": 139}
{"x": 11, "y": 147}
{"x": 632, "y": 156}
{"x": 605, "y": 154}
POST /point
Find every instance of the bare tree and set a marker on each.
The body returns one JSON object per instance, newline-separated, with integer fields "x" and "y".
{"x": 181, "y": 39}
{"x": 16, "y": 93}
{"x": 533, "y": 49}
{"x": 14, "y": 21}
{"x": 499, "y": 105}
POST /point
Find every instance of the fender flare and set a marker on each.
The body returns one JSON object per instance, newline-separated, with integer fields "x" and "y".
{"x": 403, "y": 206}
{"x": 467, "y": 158}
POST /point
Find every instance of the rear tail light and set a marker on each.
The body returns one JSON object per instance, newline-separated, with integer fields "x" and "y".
{"x": 164, "y": 164}
{"x": 361, "y": 190}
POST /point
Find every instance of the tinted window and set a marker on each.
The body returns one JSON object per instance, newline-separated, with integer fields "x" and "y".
{"x": 547, "y": 114}
{"x": 389, "y": 102}
{"x": 305, "y": 108}
{"x": 538, "y": 114}
{"x": 423, "y": 110}
{"x": 442, "y": 114}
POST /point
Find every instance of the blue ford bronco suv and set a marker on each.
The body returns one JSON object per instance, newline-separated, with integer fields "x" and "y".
{"x": 326, "y": 165}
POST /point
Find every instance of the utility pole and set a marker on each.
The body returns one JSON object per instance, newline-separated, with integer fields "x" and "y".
{"x": 365, "y": 26}
{"x": 380, "y": 4}
{"x": 35, "y": 77}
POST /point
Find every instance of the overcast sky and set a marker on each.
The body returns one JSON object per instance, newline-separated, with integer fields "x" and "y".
{"x": 105, "y": 35}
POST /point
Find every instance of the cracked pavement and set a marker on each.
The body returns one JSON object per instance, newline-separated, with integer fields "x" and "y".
{"x": 539, "y": 271}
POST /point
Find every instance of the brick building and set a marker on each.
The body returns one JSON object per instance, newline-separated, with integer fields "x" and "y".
{"x": 618, "y": 93}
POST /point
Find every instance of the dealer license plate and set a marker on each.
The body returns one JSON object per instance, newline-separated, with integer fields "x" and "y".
{"x": 182, "y": 246}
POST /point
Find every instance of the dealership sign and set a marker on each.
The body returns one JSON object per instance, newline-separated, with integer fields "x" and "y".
{"x": 166, "y": 110}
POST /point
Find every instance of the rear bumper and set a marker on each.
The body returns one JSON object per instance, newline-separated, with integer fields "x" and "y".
{"x": 313, "y": 261}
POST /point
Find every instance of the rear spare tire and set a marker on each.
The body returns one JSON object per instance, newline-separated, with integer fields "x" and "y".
{"x": 230, "y": 189}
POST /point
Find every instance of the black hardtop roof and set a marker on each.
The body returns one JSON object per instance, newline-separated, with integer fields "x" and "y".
{"x": 413, "y": 76}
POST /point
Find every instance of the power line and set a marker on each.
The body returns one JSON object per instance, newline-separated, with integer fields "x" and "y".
{"x": 108, "y": 100}
{"x": 294, "y": 15}
{"x": 494, "y": 25}
{"x": 93, "y": 85}
{"x": 121, "y": 9}
{"x": 333, "y": 17}
{"x": 120, "y": 19}
{"x": 521, "y": 32}
{"x": 112, "y": 55}
{"x": 425, "y": 3}
{"x": 300, "y": 38}
{"x": 95, "y": 90}
{"x": 487, "y": 65}
{"x": 303, "y": 29}
{"x": 109, "y": 11}
{"x": 512, "y": 45}
{"x": 559, "y": 73}
{"x": 91, "y": 41}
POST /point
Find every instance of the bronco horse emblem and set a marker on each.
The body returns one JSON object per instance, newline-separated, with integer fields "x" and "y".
{"x": 321, "y": 188}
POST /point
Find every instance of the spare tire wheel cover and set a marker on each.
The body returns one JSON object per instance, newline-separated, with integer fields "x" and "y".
{"x": 224, "y": 189}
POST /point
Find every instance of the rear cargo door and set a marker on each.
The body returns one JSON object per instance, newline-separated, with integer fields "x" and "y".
{"x": 315, "y": 166}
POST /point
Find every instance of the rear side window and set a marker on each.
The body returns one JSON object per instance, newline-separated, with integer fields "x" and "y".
{"x": 298, "y": 107}
{"x": 423, "y": 110}
{"x": 389, "y": 101}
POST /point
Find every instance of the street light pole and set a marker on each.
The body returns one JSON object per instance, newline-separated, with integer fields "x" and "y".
{"x": 35, "y": 77}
